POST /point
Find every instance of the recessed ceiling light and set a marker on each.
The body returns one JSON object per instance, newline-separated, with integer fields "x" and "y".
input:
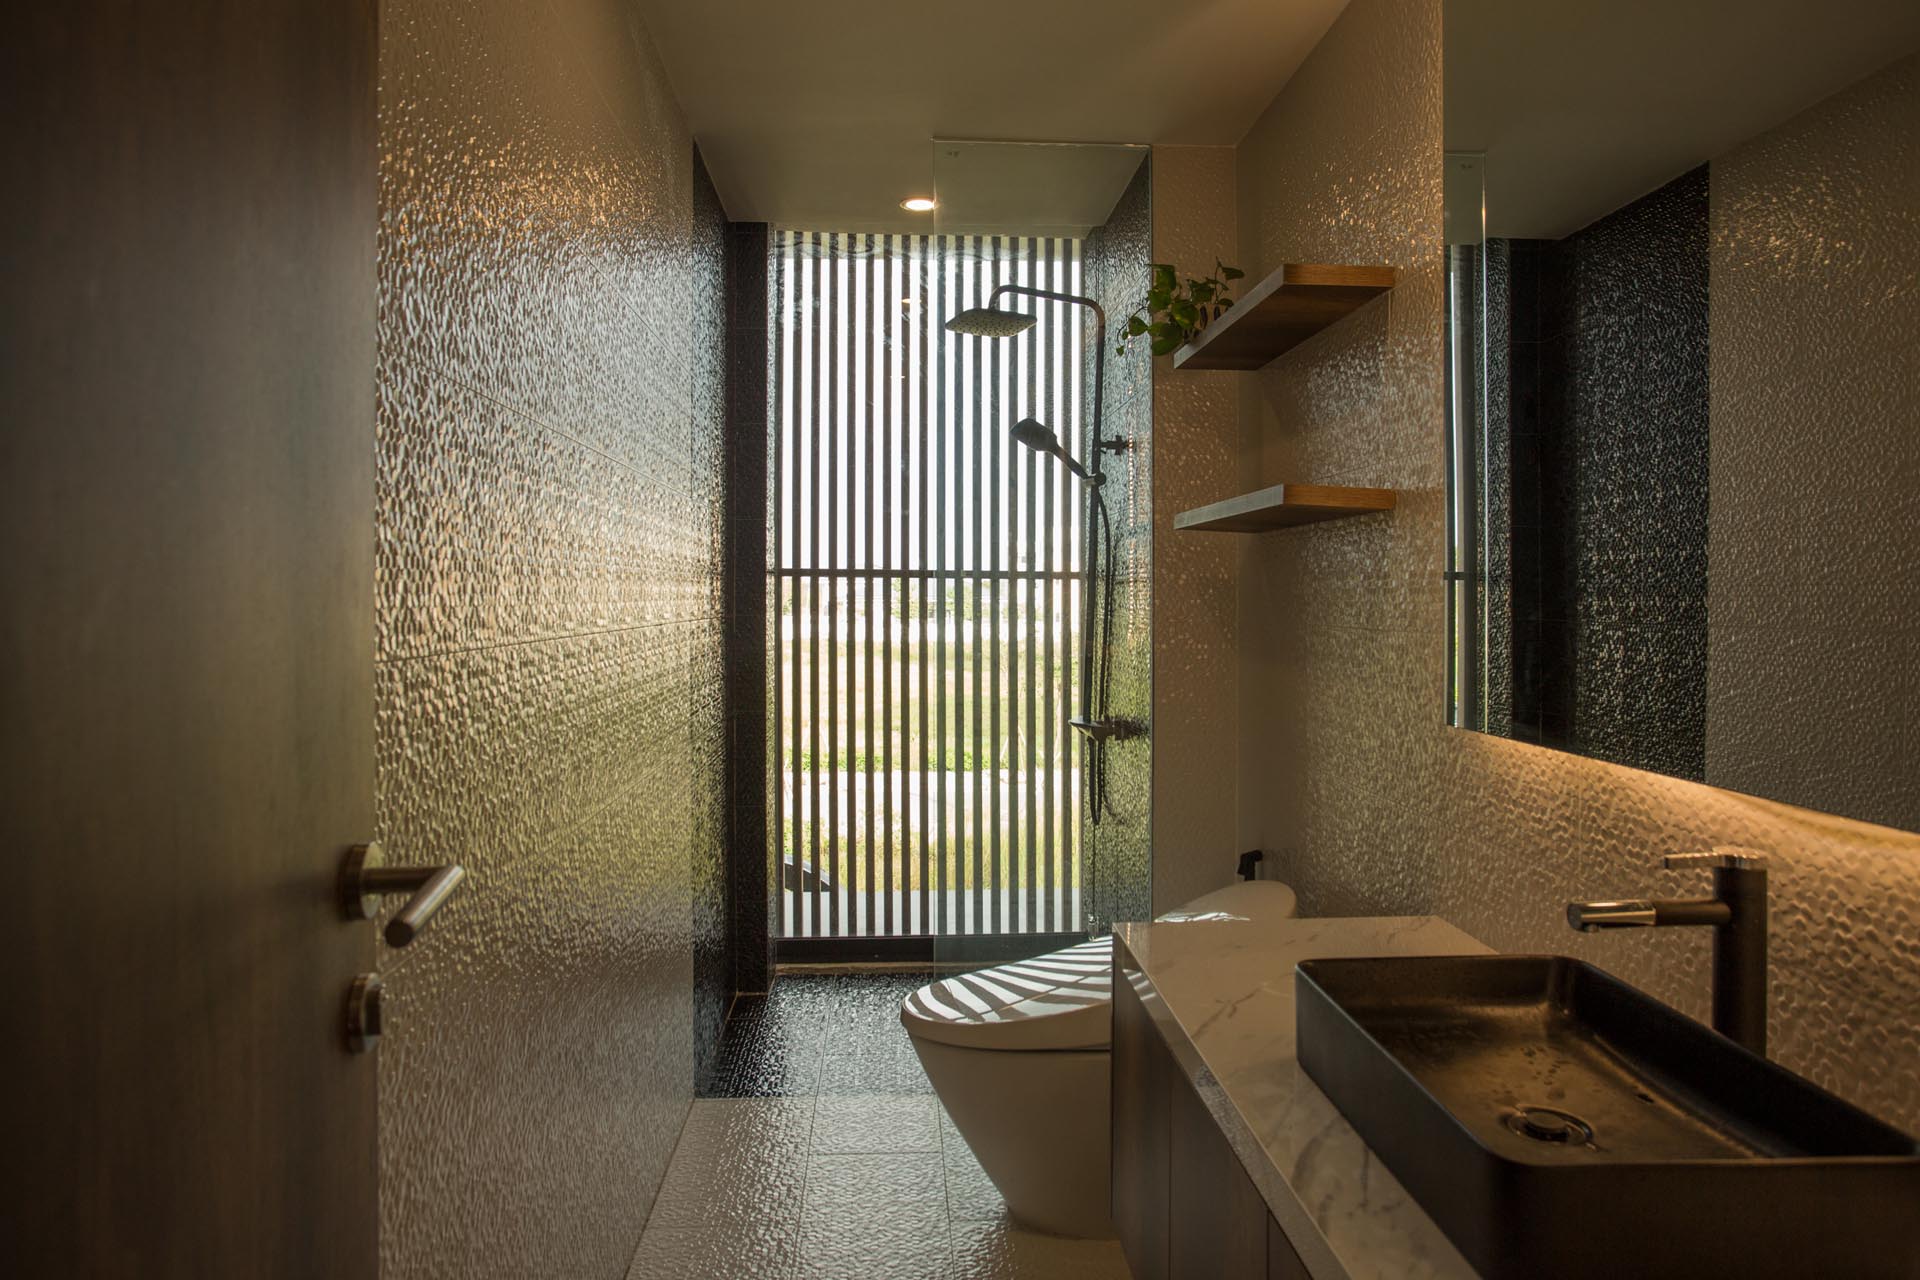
{"x": 919, "y": 204}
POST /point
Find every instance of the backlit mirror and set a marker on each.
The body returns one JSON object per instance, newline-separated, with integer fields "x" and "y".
{"x": 1683, "y": 374}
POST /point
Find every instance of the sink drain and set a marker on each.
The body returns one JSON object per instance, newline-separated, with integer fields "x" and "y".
{"x": 1549, "y": 1124}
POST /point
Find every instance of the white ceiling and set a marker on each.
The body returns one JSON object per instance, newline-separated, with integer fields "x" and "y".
{"x": 1582, "y": 108}
{"x": 1029, "y": 188}
{"x": 823, "y": 113}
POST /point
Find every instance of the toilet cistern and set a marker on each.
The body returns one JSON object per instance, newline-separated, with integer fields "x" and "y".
{"x": 1737, "y": 913}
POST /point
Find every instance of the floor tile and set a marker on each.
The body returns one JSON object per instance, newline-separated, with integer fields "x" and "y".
{"x": 738, "y": 1160}
{"x": 1003, "y": 1251}
{"x": 901, "y": 1240}
{"x": 874, "y": 1123}
{"x": 773, "y": 1044}
{"x": 818, "y": 1150}
{"x": 890, "y": 1069}
{"x": 971, "y": 1195}
{"x": 843, "y": 1183}
{"x": 880, "y": 1217}
{"x": 762, "y": 1252}
{"x": 797, "y": 1015}
{"x": 755, "y": 1068}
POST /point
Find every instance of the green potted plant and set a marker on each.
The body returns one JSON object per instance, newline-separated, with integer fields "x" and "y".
{"x": 1177, "y": 310}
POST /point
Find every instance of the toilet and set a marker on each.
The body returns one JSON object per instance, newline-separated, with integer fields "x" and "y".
{"x": 1020, "y": 1056}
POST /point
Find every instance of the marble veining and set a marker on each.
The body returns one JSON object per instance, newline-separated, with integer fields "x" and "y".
{"x": 1220, "y": 992}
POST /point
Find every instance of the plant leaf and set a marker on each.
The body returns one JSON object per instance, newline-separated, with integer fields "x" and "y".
{"x": 1159, "y": 299}
{"x": 1135, "y": 326}
{"x": 1232, "y": 273}
{"x": 1184, "y": 312}
{"x": 1163, "y": 277}
{"x": 1203, "y": 292}
{"x": 1166, "y": 346}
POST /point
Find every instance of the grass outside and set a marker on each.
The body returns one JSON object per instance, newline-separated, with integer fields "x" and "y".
{"x": 998, "y": 830}
{"x": 954, "y": 738}
{"x": 969, "y": 694}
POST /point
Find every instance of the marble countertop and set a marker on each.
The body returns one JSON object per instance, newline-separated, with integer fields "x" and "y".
{"x": 1220, "y": 990}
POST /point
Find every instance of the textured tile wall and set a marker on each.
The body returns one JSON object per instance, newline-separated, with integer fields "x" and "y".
{"x": 547, "y": 510}
{"x": 1119, "y": 852}
{"x": 1817, "y": 220}
{"x": 1347, "y": 769}
{"x": 1196, "y": 461}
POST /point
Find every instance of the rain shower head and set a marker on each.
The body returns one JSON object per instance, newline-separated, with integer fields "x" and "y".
{"x": 992, "y": 322}
{"x": 1039, "y": 437}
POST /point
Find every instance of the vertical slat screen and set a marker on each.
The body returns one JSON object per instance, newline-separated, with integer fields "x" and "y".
{"x": 926, "y": 569}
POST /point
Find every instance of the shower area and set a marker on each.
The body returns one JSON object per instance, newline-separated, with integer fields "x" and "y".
{"x": 942, "y": 558}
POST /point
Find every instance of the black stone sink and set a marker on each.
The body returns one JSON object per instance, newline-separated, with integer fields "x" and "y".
{"x": 1556, "y": 1122}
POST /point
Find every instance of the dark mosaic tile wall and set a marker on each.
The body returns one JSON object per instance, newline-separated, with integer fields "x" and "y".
{"x": 712, "y": 925}
{"x": 1605, "y": 387}
{"x": 1119, "y": 852}
{"x": 1511, "y": 411}
{"x": 1366, "y": 800}
{"x": 1633, "y": 296}
{"x": 751, "y": 622}
{"x": 547, "y": 512}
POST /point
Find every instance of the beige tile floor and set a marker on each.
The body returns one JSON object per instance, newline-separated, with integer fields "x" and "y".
{"x": 842, "y": 1187}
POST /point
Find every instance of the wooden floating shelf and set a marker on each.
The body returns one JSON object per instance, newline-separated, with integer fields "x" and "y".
{"x": 1281, "y": 312}
{"x": 1284, "y": 506}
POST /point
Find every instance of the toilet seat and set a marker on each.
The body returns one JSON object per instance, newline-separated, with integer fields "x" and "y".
{"x": 1056, "y": 1001}
{"x": 1061, "y": 1000}
{"x": 1021, "y": 1058}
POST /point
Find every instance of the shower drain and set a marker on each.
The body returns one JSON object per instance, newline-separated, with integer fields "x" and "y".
{"x": 1549, "y": 1124}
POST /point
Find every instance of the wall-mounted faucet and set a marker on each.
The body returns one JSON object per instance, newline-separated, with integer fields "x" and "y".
{"x": 1737, "y": 912}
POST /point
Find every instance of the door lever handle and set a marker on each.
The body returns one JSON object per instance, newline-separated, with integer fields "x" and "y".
{"x": 365, "y": 879}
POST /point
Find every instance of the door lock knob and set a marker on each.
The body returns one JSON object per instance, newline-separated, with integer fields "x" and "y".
{"x": 366, "y": 1012}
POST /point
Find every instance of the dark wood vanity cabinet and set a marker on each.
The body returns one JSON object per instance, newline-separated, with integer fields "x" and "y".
{"x": 1216, "y": 1221}
{"x": 1143, "y": 1076}
{"x": 1183, "y": 1205}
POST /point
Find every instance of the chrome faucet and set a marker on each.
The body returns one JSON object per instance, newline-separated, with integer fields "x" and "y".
{"x": 1738, "y": 914}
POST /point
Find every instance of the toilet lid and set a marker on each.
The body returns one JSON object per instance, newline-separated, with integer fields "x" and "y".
{"x": 1057, "y": 1001}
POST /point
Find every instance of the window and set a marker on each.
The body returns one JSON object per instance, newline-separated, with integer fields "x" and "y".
{"x": 926, "y": 572}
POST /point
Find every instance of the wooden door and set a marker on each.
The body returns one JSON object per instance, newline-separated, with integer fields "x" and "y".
{"x": 186, "y": 575}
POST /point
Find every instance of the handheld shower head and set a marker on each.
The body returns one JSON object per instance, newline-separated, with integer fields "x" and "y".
{"x": 1039, "y": 437}
{"x": 992, "y": 322}
{"x": 1035, "y": 434}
